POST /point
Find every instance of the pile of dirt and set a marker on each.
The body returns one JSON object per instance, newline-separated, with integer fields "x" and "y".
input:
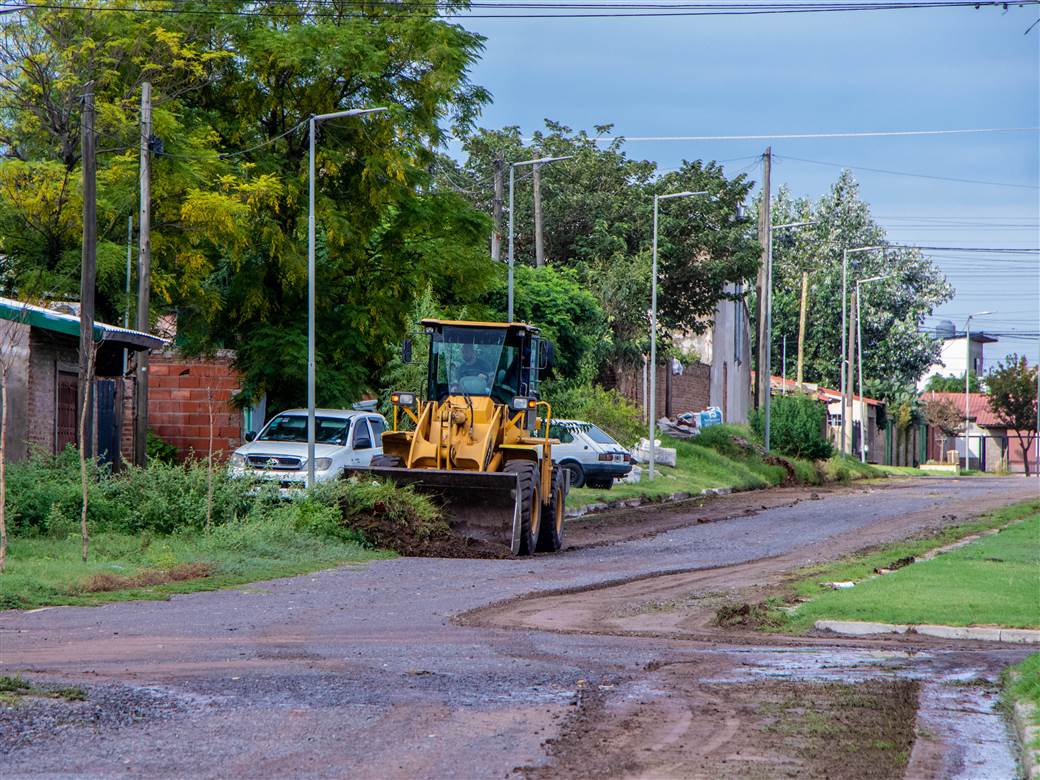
{"x": 748, "y": 616}
{"x": 408, "y": 533}
{"x": 143, "y": 579}
{"x": 790, "y": 477}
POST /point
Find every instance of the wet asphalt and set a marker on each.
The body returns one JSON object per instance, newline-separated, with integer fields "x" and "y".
{"x": 358, "y": 671}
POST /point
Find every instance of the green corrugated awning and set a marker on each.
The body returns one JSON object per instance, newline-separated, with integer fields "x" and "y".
{"x": 68, "y": 324}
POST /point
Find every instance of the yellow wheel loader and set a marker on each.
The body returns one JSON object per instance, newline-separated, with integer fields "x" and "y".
{"x": 476, "y": 440}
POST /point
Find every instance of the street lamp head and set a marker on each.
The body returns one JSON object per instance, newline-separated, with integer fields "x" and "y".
{"x": 541, "y": 160}
{"x": 684, "y": 194}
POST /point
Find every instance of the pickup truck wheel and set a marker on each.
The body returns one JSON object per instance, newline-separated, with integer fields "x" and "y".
{"x": 577, "y": 474}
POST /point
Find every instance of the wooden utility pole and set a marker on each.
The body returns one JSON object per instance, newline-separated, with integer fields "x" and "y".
{"x": 496, "y": 236}
{"x": 851, "y": 395}
{"x": 539, "y": 243}
{"x": 144, "y": 276}
{"x": 88, "y": 271}
{"x": 801, "y": 325}
{"x": 763, "y": 370}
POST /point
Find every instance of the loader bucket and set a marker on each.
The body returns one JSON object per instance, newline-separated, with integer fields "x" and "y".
{"x": 478, "y": 504}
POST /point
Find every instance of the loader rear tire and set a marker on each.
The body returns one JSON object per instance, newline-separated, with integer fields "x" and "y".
{"x": 530, "y": 503}
{"x": 550, "y": 538}
{"x": 386, "y": 462}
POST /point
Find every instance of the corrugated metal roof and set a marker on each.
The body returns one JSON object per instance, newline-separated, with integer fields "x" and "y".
{"x": 68, "y": 324}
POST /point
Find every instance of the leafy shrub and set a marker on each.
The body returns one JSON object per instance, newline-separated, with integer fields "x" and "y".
{"x": 733, "y": 441}
{"x": 796, "y": 427}
{"x": 159, "y": 450}
{"x": 608, "y": 409}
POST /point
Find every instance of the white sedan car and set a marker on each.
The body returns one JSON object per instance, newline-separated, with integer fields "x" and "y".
{"x": 343, "y": 439}
{"x": 591, "y": 455}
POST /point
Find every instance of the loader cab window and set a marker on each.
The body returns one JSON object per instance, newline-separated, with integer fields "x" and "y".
{"x": 475, "y": 361}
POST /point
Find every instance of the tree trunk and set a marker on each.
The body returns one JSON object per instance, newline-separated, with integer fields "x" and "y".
{"x": 1024, "y": 445}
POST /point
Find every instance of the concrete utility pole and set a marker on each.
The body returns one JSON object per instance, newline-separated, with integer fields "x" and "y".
{"x": 846, "y": 411}
{"x": 88, "y": 269}
{"x": 801, "y": 326}
{"x": 763, "y": 283}
{"x": 512, "y": 182}
{"x": 496, "y": 209}
{"x": 539, "y": 238}
{"x": 144, "y": 278}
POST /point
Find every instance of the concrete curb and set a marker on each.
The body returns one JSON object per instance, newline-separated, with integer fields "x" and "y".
{"x": 626, "y": 503}
{"x": 1022, "y": 715}
{"x": 1020, "y": 636}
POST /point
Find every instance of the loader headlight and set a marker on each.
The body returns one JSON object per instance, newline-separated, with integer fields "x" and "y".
{"x": 521, "y": 403}
{"x": 403, "y": 399}
{"x": 322, "y": 464}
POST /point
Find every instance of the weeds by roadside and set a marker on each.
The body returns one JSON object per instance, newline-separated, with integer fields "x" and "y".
{"x": 12, "y": 689}
{"x": 149, "y": 537}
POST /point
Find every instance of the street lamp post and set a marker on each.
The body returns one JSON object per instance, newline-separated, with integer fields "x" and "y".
{"x": 653, "y": 326}
{"x": 768, "y": 292}
{"x": 967, "y": 383}
{"x": 512, "y": 167}
{"x": 312, "y": 126}
{"x": 844, "y": 327}
{"x": 859, "y": 355}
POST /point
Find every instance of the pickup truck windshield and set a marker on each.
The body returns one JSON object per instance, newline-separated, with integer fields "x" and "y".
{"x": 293, "y": 427}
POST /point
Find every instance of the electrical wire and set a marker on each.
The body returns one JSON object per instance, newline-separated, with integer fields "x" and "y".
{"x": 909, "y": 174}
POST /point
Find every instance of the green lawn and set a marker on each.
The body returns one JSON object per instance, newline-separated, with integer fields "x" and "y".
{"x": 1022, "y": 683}
{"x": 45, "y": 571}
{"x": 699, "y": 468}
{"x": 992, "y": 581}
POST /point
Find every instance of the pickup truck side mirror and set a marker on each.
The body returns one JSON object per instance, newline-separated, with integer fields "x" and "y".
{"x": 250, "y": 435}
{"x": 363, "y": 443}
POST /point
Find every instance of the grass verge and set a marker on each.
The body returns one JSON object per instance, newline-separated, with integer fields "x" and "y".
{"x": 725, "y": 458}
{"x": 991, "y": 581}
{"x": 1022, "y": 684}
{"x": 46, "y": 571}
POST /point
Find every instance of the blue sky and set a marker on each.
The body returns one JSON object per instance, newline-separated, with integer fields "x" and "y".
{"x": 839, "y": 72}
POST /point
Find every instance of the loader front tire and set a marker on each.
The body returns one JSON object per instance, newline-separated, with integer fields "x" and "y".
{"x": 550, "y": 539}
{"x": 530, "y": 498}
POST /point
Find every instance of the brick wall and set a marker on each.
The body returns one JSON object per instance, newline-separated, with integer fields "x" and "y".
{"x": 48, "y": 353}
{"x": 180, "y": 392}
{"x": 689, "y": 391}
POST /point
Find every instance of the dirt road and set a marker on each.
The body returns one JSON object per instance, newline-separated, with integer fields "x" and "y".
{"x": 416, "y": 667}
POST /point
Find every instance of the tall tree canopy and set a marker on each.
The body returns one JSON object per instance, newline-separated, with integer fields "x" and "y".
{"x": 598, "y": 219}
{"x": 233, "y": 93}
{"x": 895, "y": 351}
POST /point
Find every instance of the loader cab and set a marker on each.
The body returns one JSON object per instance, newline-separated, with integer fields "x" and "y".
{"x": 498, "y": 360}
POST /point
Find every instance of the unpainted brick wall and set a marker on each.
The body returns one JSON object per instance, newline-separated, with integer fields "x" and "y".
{"x": 180, "y": 392}
{"x": 690, "y": 390}
{"x": 46, "y": 354}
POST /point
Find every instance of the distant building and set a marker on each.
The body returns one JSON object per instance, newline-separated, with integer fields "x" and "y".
{"x": 956, "y": 354}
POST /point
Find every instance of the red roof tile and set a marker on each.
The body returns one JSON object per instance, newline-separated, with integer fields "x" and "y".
{"x": 978, "y": 407}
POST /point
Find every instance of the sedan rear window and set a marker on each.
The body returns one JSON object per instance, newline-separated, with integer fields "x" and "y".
{"x": 599, "y": 436}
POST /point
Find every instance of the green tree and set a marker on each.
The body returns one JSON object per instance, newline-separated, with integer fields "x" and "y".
{"x": 598, "y": 219}
{"x": 233, "y": 92}
{"x": 938, "y": 383}
{"x": 895, "y": 351}
{"x": 1013, "y": 399}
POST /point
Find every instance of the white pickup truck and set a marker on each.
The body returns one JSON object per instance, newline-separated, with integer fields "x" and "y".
{"x": 343, "y": 439}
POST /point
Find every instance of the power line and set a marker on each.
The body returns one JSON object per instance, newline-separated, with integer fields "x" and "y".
{"x": 788, "y": 136}
{"x": 912, "y": 175}
{"x": 537, "y": 11}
